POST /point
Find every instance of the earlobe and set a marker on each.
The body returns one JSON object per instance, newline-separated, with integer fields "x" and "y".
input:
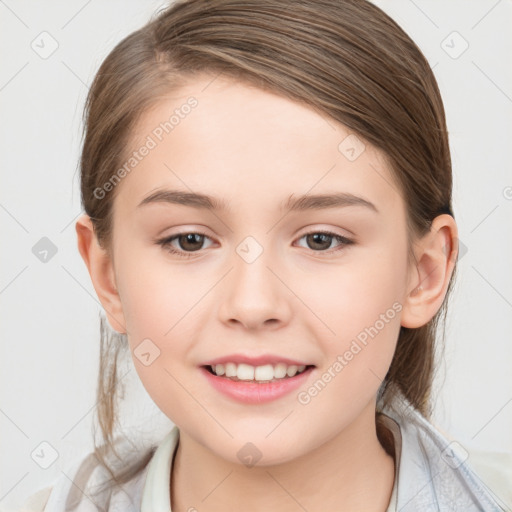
{"x": 436, "y": 255}
{"x": 100, "y": 267}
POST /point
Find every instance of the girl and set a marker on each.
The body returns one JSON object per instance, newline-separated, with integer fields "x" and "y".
{"x": 267, "y": 187}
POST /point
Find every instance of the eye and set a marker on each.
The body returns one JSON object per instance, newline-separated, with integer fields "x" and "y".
{"x": 320, "y": 241}
{"x": 192, "y": 241}
{"x": 189, "y": 241}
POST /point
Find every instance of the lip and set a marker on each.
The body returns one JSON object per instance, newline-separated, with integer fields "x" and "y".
{"x": 251, "y": 392}
{"x": 254, "y": 360}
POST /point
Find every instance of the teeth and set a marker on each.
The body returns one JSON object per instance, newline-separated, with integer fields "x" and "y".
{"x": 263, "y": 373}
{"x": 292, "y": 370}
{"x": 245, "y": 372}
{"x": 230, "y": 370}
{"x": 280, "y": 370}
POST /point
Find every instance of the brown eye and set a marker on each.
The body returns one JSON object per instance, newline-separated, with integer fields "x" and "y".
{"x": 184, "y": 244}
{"x": 320, "y": 241}
{"x": 190, "y": 241}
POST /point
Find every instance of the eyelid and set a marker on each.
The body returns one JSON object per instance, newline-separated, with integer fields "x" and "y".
{"x": 343, "y": 242}
{"x": 167, "y": 240}
{"x": 332, "y": 231}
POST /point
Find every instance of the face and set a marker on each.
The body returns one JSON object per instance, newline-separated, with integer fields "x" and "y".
{"x": 321, "y": 285}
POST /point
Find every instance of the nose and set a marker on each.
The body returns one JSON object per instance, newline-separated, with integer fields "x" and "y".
{"x": 253, "y": 295}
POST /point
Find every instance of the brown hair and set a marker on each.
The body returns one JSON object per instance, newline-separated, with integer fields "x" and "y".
{"x": 346, "y": 59}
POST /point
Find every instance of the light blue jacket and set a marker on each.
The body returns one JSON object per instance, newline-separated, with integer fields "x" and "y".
{"x": 432, "y": 474}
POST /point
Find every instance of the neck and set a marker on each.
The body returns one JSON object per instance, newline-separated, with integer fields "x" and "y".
{"x": 351, "y": 471}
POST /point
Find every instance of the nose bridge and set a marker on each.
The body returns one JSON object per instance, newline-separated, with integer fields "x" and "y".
{"x": 251, "y": 275}
{"x": 254, "y": 295}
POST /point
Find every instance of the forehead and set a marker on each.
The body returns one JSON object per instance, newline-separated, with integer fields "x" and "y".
{"x": 244, "y": 145}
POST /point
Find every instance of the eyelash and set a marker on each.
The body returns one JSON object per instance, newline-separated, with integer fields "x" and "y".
{"x": 165, "y": 242}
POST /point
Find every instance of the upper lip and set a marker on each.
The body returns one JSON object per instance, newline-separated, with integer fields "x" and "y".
{"x": 254, "y": 360}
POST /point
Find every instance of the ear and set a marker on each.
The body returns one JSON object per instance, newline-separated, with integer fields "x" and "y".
{"x": 101, "y": 270}
{"x": 435, "y": 255}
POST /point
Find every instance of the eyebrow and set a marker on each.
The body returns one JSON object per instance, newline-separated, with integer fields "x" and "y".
{"x": 301, "y": 203}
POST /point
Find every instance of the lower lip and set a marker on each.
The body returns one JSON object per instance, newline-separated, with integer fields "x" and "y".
{"x": 254, "y": 393}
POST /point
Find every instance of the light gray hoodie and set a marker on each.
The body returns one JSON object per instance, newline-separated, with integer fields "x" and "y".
{"x": 432, "y": 474}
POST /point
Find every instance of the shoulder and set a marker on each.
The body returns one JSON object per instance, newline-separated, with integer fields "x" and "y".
{"x": 74, "y": 477}
{"x": 494, "y": 469}
{"x": 438, "y": 473}
{"x": 36, "y": 502}
{"x": 86, "y": 483}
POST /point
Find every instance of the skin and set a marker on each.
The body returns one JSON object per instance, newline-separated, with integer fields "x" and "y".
{"x": 253, "y": 149}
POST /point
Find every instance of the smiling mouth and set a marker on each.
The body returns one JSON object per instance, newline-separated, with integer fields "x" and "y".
{"x": 260, "y": 374}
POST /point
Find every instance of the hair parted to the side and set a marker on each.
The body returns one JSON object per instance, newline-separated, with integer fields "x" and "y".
{"x": 346, "y": 59}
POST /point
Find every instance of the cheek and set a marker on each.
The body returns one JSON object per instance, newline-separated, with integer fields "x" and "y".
{"x": 343, "y": 299}
{"x": 161, "y": 302}
{"x": 360, "y": 305}
{"x": 159, "y": 306}
{"x": 155, "y": 293}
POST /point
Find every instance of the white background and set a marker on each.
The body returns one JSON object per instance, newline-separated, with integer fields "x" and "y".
{"x": 50, "y": 312}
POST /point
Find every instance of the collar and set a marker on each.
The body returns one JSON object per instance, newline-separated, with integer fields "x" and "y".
{"x": 431, "y": 472}
{"x": 156, "y": 496}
